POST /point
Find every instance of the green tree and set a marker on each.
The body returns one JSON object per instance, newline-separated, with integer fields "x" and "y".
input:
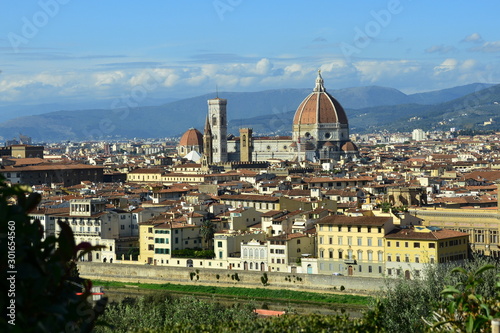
{"x": 207, "y": 231}
{"x": 43, "y": 278}
{"x": 464, "y": 309}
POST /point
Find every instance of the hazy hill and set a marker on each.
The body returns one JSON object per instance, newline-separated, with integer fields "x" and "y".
{"x": 267, "y": 112}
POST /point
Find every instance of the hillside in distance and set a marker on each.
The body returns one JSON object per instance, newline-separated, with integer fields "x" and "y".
{"x": 471, "y": 111}
{"x": 268, "y": 112}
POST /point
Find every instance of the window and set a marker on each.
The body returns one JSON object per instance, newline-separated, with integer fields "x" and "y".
{"x": 360, "y": 268}
{"x": 380, "y": 242}
{"x": 370, "y": 255}
{"x": 369, "y": 242}
{"x": 330, "y": 228}
{"x": 380, "y": 269}
{"x": 388, "y": 244}
{"x": 369, "y": 269}
{"x": 349, "y": 240}
{"x": 330, "y": 240}
{"x": 340, "y": 254}
{"x": 432, "y": 245}
{"x": 321, "y": 253}
{"x": 320, "y": 227}
{"x": 359, "y": 229}
{"x": 340, "y": 240}
{"x": 219, "y": 244}
{"x": 360, "y": 255}
{"x": 398, "y": 258}
{"x": 416, "y": 245}
{"x": 389, "y": 271}
{"x": 389, "y": 258}
{"x": 493, "y": 236}
{"x": 122, "y": 227}
{"x": 407, "y": 258}
{"x": 340, "y": 228}
{"x": 348, "y": 229}
{"x": 397, "y": 244}
{"x": 321, "y": 239}
{"x": 406, "y": 244}
{"x": 360, "y": 241}
{"x": 379, "y": 229}
{"x": 330, "y": 254}
{"x": 479, "y": 235}
{"x": 417, "y": 259}
{"x": 369, "y": 229}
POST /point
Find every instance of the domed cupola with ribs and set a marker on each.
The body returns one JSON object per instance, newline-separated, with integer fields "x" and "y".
{"x": 191, "y": 140}
{"x": 321, "y": 120}
{"x": 319, "y": 108}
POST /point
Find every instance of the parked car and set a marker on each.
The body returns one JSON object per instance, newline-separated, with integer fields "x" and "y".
{"x": 337, "y": 274}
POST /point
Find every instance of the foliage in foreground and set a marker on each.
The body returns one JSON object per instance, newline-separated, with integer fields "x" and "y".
{"x": 409, "y": 304}
{"x": 45, "y": 281}
{"x": 163, "y": 313}
{"x": 463, "y": 299}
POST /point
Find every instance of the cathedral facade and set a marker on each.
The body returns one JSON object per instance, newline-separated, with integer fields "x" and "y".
{"x": 320, "y": 133}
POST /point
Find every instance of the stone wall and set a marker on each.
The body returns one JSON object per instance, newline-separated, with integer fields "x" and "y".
{"x": 224, "y": 278}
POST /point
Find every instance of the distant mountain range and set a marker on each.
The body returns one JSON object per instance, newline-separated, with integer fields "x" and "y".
{"x": 269, "y": 113}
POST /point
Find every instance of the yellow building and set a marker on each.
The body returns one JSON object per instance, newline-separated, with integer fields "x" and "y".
{"x": 352, "y": 245}
{"x": 145, "y": 175}
{"x": 408, "y": 249}
{"x": 482, "y": 225}
{"x": 146, "y": 242}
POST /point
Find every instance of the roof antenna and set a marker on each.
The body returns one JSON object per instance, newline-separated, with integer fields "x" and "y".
{"x": 216, "y": 91}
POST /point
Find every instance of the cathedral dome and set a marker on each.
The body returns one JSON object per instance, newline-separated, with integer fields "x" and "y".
{"x": 192, "y": 137}
{"x": 319, "y": 108}
{"x": 349, "y": 146}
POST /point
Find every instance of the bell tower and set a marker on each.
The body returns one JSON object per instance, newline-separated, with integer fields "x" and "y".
{"x": 218, "y": 125}
{"x": 246, "y": 147}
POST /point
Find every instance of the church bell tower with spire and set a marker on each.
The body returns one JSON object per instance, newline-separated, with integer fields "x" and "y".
{"x": 218, "y": 125}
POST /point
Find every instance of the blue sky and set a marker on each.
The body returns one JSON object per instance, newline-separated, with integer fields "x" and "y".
{"x": 70, "y": 51}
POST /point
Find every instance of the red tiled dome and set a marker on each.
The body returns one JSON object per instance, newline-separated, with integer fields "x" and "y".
{"x": 349, "y": 146}
{"x": 319, "y": 108}
{"x": 192, "y": 137}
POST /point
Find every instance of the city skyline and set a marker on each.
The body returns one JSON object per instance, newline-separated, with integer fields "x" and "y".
{"x": 57, "y": 51}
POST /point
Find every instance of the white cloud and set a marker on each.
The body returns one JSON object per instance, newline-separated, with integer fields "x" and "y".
{"x": 109, "y": 78}
{"x": 446, "y": 66}
{"x": 473, "y": 38}
{"x": 487, "y": 47}
{"x": 468, "y": 64}
{"x": 263, "y": 67}
{"x": 441, "y": 49}
{"x": 373, "y": 71}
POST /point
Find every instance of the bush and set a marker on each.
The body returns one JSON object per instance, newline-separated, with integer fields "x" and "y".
{"x": 47, "y": 279}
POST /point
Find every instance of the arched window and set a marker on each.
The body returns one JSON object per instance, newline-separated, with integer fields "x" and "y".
{"x": 244, "y": 140}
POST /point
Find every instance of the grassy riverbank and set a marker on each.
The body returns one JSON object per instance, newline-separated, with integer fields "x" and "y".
{"x": 248, "y": 293}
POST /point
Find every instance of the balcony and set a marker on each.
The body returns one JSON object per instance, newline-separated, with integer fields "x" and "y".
{"x": 350, "y": 261}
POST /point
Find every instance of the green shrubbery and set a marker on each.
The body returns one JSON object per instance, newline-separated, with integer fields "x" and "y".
{"x": 46, "y": 280}
{"x": 193, "y": 253}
